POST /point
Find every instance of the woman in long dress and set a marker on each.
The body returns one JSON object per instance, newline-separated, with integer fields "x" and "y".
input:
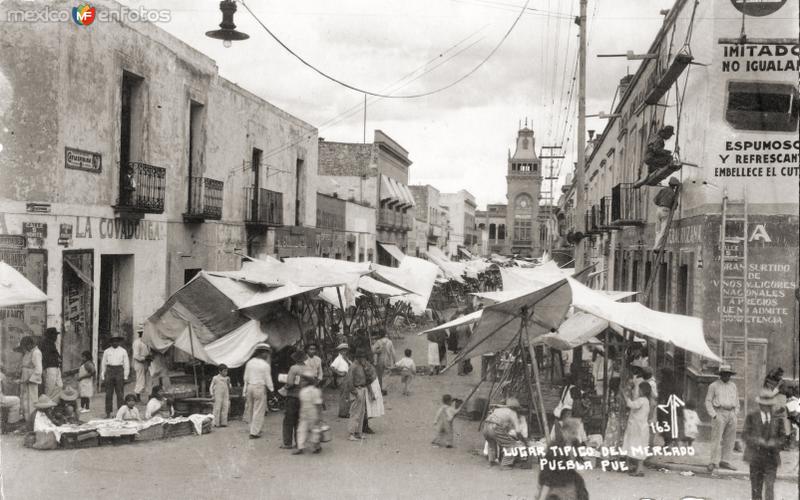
{"x": 637, "y": 432}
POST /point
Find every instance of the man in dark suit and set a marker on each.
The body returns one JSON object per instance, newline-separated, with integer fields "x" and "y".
{"x": 763, "y": 433}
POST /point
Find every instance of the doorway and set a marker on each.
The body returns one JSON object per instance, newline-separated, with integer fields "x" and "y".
{"x": 77, "y": 289}
{"x": 116, "y": 299}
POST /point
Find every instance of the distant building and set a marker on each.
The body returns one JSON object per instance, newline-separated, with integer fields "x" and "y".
{"x": 463, "y": 234}
{"x": 431, "y": 221}
{"x": 374, "y": 175}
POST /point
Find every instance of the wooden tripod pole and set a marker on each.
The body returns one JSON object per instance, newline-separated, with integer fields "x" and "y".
{"x": 537, "y": 378}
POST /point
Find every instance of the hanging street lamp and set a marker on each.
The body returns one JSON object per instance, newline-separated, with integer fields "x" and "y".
{"x": 227, "y": 32}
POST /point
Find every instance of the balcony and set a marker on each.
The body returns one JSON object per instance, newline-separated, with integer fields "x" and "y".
{"x": 604, "y": 215}
{"x": 408, "y": 222}
{"x": 142, "y": 189}
{"x": 205, "y": 200}
{"x": 387, "y": 218}
{"x": 263, "y": 207}
{"x": 626, "y": 205}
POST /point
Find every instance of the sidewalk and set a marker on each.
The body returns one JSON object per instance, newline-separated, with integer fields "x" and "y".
{"x": 788, "y": 471}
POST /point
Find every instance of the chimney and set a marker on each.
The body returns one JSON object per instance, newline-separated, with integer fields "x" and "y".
{"x": 624, "y": 83}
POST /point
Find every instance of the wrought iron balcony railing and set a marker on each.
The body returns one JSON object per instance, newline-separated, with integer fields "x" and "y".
{"x": 142, "y": 188}
{"x": 205, "y": 199}
{"x": 263, "y": 207}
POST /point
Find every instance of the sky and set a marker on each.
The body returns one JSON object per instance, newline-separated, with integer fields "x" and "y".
{"x": 458, "y": 138}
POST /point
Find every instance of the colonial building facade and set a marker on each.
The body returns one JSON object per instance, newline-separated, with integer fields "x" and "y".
{"x": 128, "y": 165}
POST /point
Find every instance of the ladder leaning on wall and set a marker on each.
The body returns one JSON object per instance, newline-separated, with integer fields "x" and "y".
{"x": 733, "y": 256}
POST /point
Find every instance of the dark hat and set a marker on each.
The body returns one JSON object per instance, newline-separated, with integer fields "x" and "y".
{"x": 669, "y": 128}
{"x": 51, "y": 332}
{"x": 115, "y": 338}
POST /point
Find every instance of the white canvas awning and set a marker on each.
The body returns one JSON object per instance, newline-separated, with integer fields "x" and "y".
{"x": 15, "y": 289}
{"x": 388, "y": 191}
{"x": 451, "y": 270}
{"x": 393, "y": 251}
{"x": 575, "y": 331}
{"x": 467, "y": 319}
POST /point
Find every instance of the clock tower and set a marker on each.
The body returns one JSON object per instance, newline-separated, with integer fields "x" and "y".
{"x": 523, "y": 183}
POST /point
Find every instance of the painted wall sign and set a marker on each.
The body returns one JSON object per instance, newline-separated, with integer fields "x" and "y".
{"x": 78, "y": 159}
{"x": 119, "y": 229}
{"x": 13, "y": 241}
{"x": 34, "y": 230}
{"x": 64, "y": 234}
{"x": 37, "y": 208}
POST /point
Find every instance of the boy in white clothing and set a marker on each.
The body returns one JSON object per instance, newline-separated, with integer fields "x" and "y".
{"x": 407, "y": 370}
{"x": 690, "y": 421}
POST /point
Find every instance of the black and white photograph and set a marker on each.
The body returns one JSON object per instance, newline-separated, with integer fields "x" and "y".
{"x": 384, "y": 249}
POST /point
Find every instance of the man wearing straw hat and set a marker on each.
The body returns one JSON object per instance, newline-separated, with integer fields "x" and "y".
{"x": 141, "y": 358}
{"x": 500, "y": 430}
{"x": 763, "y": 435}
{"x": 257, "y": 380}
{"x": 722, "y": 404}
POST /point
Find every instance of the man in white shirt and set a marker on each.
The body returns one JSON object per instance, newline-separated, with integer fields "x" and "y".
{"x": 114, "y": 370}
{"x": 257, "y": 380}
{"x": 314, "y": 362}
{"x": 340, "y": 367}
{"x": 141, "y": 358}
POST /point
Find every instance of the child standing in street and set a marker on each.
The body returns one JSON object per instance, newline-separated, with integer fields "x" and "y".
{"x": 310, "y": 413}
{"x": 86, "y": 380}
{"x": 407, "y": 371}
{"x": 220, "y": 390}
{"x": 690, "y": 421}
{"x": 443, "y": 423}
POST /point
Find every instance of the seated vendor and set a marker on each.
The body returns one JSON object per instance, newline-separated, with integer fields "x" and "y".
{"x": 129, "y": 411}
{"x": 155, "y": 404}
{"x": 45, "y": 406}
{"x": 66, "y": 410}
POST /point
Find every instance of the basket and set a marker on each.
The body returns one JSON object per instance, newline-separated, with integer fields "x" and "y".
{"x": 152, "y": 433}
{"x": 178, "y": 429}
{"x": 85, "y": 439}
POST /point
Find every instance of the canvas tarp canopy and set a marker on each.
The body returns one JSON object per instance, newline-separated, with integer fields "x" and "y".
{"x": 393, "y": 251}
{"x": 450, "y": 270}
{"x": 365, "y": 284}
{"x": 685, "y": 332}
{"x": 575, "y": 331}
{"x": 415, "y": 275}
{"x": 214, "y": 306}
{"x": 15, "y": 289}
{"x": 500, "y": 324}
{"x": 464, "y": 320}
{"x": 524, "y": 278}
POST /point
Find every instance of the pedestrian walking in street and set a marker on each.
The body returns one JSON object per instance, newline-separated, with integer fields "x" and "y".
{"x": 220, "y": 390}
{"x": 408, "y": 370}
{"x": 722, "y": 405}
{"x": 129, "y": 411}
{"x": 443, "y": 422}
{"x": 51, "y": 363}
{"x": 763, "y": 435}
{"x": 360, "y": 390}
{"x": 500, "y": 433}
{"x": 384, "y": 356}
{"x": 31, "y": 377}
{"x": 637, "y": 432}
{"x": 310, "y": 421}
{"x": 291, "y": 411}
{"x": 86, "y": 374}
{"x": 141, "y": 360}
{"x": 257, "y": 380}
{"x": 114, "y": 371}
{"x": 340, "y": 366}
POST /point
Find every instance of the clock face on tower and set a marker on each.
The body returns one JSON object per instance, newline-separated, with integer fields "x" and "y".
{"x": 523, "y": 202}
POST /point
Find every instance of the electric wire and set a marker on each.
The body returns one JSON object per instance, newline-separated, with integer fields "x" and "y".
{"x": 391, "y": 96}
